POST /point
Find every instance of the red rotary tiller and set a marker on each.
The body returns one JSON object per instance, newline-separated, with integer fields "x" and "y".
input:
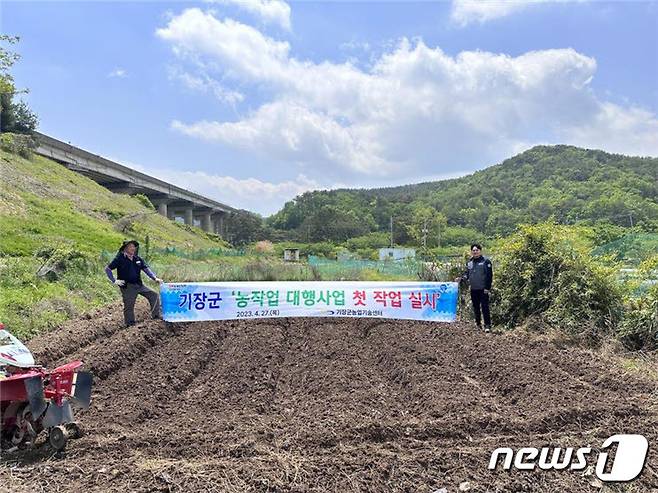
{"x": 33, "y": 399}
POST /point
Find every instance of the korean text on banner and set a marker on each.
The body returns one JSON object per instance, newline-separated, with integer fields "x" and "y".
{"x": 187, "y": 302}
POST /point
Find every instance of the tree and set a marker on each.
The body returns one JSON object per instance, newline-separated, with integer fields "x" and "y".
{"x": 503, "y": 221}
{"x": 245, "y": 227}
{"x": 7, "y": 60}
{"x": 562, "y": 183}
{"x": 14, "y": 116}
{"x": 331, "y": 223}
{"x": 426, "y": 226}
{"x": 547, "y": 275}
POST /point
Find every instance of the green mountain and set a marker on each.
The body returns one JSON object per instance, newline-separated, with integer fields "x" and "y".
{"x": 566, "y": 184}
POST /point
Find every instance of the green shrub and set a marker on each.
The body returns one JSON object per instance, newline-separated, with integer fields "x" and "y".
{"x": 371, "y": 241}
{"x": 367, "y": 253}
{"x": 30, "y": 304}
{"x": 639, "y": 327}
{"x": 546, "y": 274}
{"x": 441, "y": 269}
{"x": 57, "y": 259}
{"x": 21, "y": 144}
{"x": 145, "y": 201}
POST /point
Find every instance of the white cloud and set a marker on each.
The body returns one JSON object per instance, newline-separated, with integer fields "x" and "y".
{"x": 252, "y": 194}
{"x": 118, "y": 73}
{"x": 268, "y": 11}
{"x": 227, "y": 45}
{"x": 204, "y": 83}
{"x": 416, "y": 111}
{"x": 617, "y": 129}
{"x": 466, "y": 12}
{"x": 249, "y": 193}
{"x": 291, "y": 133}
{"x": 356, "y": 46}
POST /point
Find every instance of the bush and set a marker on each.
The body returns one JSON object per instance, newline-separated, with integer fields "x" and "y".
{"x": 30, "y": 304}
{"x": 145, "y": 201}
{"x": 371, "y": 241}
{"x": 639, "y": 327}
{"x": 57, "y": 259}
{"x": 264, "y": 247}
{"x": 324, "y": 249}
{"x": 545, "y": 273}
{"x": 367, "y": 253}
{"x": 21, "y": 144}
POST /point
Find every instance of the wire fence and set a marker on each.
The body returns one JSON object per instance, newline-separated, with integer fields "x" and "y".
{"x": 630, "y": 249}
{"x": 203, "y": 254}
{"x": 406, "y": 267}
{"x": 438, "y": 269}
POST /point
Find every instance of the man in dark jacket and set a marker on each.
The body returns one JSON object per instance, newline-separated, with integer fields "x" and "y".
{"x": 479, "y": 275}
{"x": 129, "y": 267}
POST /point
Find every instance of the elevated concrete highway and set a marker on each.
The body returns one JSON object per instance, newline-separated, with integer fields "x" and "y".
{"x": 171, "y": 201}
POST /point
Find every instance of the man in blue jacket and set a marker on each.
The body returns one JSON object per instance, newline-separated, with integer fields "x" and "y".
{"x": 129, "y": 267}
{"x": 479, "y": 274}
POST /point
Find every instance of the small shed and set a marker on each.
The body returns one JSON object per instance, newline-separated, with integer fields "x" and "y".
{"x": 396, "y": 253}
{"x": 291, "y": 255}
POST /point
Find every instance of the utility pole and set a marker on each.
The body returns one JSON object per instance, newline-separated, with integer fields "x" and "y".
{"x": 630, "y": 216}
{"x": 425, "y": 233}
{"x": 391, "y": 231}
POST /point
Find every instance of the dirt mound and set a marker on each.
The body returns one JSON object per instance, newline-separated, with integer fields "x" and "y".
{"x": 326, "y": 405}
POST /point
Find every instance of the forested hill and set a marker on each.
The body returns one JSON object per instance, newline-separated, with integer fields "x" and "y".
{"x": 564, "y": 183}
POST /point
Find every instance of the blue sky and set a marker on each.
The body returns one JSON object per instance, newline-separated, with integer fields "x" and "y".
{"x": 255, "y": 101}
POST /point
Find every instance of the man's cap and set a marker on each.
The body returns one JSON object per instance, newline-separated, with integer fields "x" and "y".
{"x": 128, "y": 242}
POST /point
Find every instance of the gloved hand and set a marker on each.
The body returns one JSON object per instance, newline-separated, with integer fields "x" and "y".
{"x": 158, "y": 280}
{"x": 487, "y": 291}
{"x": 120, "y": 282}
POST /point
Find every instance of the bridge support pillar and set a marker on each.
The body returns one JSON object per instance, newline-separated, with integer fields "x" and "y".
{"x": 189, "y": 216}
{"x": 219, "y": 224}
{"x": 162, "y": 209}
{"x": 206, "y": 221}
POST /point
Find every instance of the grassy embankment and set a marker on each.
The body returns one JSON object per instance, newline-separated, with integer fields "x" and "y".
{"x": 57, "y": 221}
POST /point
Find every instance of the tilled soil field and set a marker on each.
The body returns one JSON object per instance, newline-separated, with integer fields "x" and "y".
{"x": 327, "y": 405}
